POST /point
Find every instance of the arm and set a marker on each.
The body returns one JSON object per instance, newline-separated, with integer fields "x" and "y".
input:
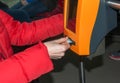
{"x": 26, "y": 66}
{"x": 29, "y": 33}
{"x": 33, "y": 62}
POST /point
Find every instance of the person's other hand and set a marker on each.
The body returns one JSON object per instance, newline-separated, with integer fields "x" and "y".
{"x": 24, "y": 2}
{"x": 57, "y": 48}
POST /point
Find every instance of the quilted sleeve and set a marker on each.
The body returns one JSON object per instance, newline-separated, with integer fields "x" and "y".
{"x": 26, "y": 66}
{"x": 29, "y": 33}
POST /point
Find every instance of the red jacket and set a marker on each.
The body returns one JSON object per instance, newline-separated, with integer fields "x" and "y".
{"x": 32, "y": 62}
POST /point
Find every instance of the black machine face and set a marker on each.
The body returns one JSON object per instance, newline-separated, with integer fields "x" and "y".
{"x": 72, "y": 12}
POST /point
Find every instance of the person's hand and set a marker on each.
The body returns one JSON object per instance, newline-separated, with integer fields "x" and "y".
{"x": 24, "y": 2}
{"x": 57, "y": 48}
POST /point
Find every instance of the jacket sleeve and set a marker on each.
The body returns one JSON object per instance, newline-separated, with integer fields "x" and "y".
{"x": 29, "y": 33}
{"x": 26, "y": 66}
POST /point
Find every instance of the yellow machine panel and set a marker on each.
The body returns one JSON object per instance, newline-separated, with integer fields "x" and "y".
{"x": 79, "y": 19}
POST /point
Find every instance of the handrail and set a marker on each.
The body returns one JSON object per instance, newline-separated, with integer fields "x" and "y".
{"x": 114, "y": 4}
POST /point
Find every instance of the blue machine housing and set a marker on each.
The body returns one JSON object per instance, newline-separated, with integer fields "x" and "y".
{"x": 106, "y": 21}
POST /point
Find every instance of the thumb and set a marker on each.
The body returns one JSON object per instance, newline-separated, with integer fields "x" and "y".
{"x": 61, "y": 40}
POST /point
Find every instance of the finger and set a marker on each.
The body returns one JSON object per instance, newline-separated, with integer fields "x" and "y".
{"x": 64, "y": 47}
{"x": 56, "y": 58}
{"x": 58, "y": 54}
{"x": 61, "y": 40}
{"x": 66, "y": 44}
{"x": 59, "y": 48}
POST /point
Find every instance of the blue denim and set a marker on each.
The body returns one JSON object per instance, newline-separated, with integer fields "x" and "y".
{"x": 33, "y": 8}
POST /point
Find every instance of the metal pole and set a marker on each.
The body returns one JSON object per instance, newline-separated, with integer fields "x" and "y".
{"x": 82, "y": 70}
{"x": 114, "y": 4}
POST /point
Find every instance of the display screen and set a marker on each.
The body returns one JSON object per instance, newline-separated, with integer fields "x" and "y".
{"x": 71, "y": 13}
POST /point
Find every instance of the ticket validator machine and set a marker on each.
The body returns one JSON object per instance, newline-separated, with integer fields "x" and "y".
{"x": 86, "y": 23}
